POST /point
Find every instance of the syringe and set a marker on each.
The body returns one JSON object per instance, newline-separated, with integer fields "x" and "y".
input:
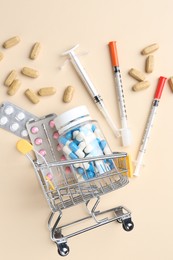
{"x": 91, "y": 89}
{"x": 125, "y": 131}
{"x": 149, "y": 125}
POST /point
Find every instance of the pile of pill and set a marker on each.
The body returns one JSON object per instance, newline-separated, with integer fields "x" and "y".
{"x": 149, "y": 67}
{"x": 13, "y": 83}
{"x": 86, "y": 141}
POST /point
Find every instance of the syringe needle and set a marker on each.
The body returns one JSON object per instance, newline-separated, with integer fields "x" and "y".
{"x": 91, "y": 89}
{"x": 149, "y": 125}
{"x": 125, "y": 131}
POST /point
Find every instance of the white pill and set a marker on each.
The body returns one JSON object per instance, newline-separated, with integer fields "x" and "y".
{"x": 66, "y": 150}
{"x": 86, "y": 165}
{"x": 75, "y": 133}
{"x": 80, "y": 137}
{"x": 20, "y": 116}
{"x": 24, "y": 133}
{"x": 79, "y": 153}
{"x": 82, "y": 145}
{"x": 14, "y": 127}
{"x": 88, "y": 148}
{"x": 3, "y": 120}
{"x": 97, "y": 132}
{"x": 107, "y": 150}
{"x": 89, "y": 138}
{"x": 9, "y": 110}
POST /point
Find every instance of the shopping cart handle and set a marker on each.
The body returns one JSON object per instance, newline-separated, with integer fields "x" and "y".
{"x": 24, "y": 146}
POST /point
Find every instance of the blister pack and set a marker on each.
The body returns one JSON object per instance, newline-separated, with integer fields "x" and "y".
{"x": 13, "y": 119}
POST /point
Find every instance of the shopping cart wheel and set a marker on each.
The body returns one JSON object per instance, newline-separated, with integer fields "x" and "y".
{"x": 63, "y": 249}
{"x": 128, "y": 225}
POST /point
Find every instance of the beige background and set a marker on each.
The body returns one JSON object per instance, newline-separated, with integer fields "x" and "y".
{"x": 59, "y": 25}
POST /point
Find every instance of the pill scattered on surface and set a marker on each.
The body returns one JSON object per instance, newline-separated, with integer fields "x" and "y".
{"x": 1, "y": 56}
{"x": 47, "y": 91}
{"x": 68, "y": 94}
{"x": 149, "y": 49}
{"x": 35, "y": 51}
{"x": 141, "y": 85}
{"x": 32, "y": 96}
{"x": 29, "y": 72}
{"x": 136, "y": 74}
{"x": 10, "y": 78}
{"x": 13, "y": 88}
{"x": 11, "y": 42}
{"x": 170, "y": 82}
{"x": 149, "y": 64}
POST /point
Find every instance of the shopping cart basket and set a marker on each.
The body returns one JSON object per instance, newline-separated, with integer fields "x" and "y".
{"x": 63, "y": 188}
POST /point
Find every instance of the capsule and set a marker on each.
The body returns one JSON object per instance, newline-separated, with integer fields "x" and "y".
{"x": 32, "y": 96}
{"x": 11, "y": 42}
{"x": 10, "y": 78}
{"x": 29, "y": 72}
{"x": 136, "y": 74}
{"x": 149, "y": 65}
{"x": 141, "y": 85}
{"x": 13, "y": 88}
{"x": 149, "y": 49}
{"x": 47, "y": 91}
{"x": 68, "y": 94}
{"x": 35, "y": 51}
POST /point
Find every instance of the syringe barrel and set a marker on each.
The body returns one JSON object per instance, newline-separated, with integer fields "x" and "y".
{"x": 138, "y": 163}
{"x": 82, "y": 73}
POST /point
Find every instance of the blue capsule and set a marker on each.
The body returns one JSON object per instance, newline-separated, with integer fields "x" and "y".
{"x": 62, "y": 140}
{"x": 73, "y": 147}
{"x": 93, "y": 127}
{"x": 69, "y": 135}
{"x": 88, "y": 175}
{"x": 102, "y": 144}
{"x": 73, "y": 156}
{"x": 80, "y": 170}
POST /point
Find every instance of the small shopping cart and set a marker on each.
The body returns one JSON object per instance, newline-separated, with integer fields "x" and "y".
{"x": 63, "y": 189}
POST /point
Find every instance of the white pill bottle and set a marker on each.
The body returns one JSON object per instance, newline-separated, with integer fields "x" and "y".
{"x": 81, "y": 137}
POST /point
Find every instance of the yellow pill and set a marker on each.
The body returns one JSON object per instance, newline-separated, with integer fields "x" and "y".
{"x": 10, "y": 78}
{"x": 29, "y": 72}
{"x": 149, "y": 65}
{"x": 47, "y": 91}
{"x": 149, "y": 49}
{"x": 136, "y": 74}
{"x": 32, "y": 96}
{"x": 35, "y": 51}
{"x": 141, "y": 85}
{"x": 68, "y": 94}
{"x": 1, "y": 56}
{"x": 13, "y": 88}
{"x": 170, "y": 81}
{"x": 11, "y": 42}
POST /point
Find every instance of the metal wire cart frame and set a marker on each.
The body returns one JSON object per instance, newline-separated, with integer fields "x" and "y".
{"x": 66, "y": 190}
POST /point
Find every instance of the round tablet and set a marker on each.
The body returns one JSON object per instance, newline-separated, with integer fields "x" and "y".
{"x": 14, "y": 127}
{"x": 9, "y": 110}
{"x": 34, "y": 130}
{"x": 3, "y": 120}
{"x": 24, "y": 133}
{"x": 20, "y": 116}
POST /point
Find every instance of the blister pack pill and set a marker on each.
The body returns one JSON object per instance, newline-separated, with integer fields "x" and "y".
{"x": 44, "y": 138}
{"x": 13, "y": 119}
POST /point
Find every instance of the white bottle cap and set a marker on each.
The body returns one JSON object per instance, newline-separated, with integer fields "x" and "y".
{"x": 71, "y": 118}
